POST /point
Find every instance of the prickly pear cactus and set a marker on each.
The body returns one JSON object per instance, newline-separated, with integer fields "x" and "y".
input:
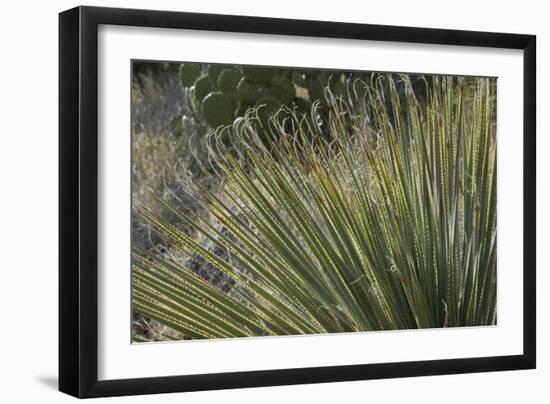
{"x": 219, "y": 94}
{"x": 214, "y": 72}
{"x": 203, "y": 86}
{"x": 218, "y": 109}
{"x": 228, "y": 82}
{"x": 250, "y": 93}
{"x": 258, "y": 75}
{"x": 189, "y": 72}
{"x": 283, "y": 89}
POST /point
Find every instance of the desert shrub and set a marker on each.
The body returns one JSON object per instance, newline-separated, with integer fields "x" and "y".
{"x": 157, "y": 99}
{"x": 164, "y": 139}
{"x": 388, "y": 223}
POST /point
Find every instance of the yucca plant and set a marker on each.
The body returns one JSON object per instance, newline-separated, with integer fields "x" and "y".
{"x": 387, "y": 223}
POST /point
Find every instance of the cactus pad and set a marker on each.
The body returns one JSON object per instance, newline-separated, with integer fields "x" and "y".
{"x": 189, "y": 72}
{"x": 203, "y": 86}
{"x": 214, "y": 72}
{"x": 257, "y": 75}
{"x": 193, "y": 102}
{"x": 250, "y": 93}
{"x": 228, "y": 80}
{"x": 283, "y": 89}
{"x": 218, "y": 109}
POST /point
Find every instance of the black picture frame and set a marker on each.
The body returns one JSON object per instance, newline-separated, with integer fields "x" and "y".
{"x": 78, "y": 201}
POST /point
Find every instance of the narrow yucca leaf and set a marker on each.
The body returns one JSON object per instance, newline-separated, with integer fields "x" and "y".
{"x": 383, "y": 218}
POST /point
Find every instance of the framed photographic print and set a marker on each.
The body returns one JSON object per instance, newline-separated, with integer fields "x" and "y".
{"x": 251, "y": 201}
